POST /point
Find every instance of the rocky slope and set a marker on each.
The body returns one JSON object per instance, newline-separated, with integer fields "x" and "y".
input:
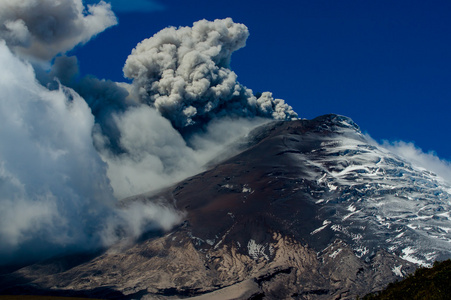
{"x": 308, "y": 210}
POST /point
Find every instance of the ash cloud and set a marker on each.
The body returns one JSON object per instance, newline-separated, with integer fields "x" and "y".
{"x": 144, "y": 145}
{"x": 185, "y": 75}
{"x": 42, "y": 29}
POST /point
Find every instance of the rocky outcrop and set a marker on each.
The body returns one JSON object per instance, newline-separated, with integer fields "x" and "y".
{"x": 171, "y": 267}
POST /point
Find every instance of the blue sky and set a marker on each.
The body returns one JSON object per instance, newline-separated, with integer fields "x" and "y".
{"x": 385, "y": 64}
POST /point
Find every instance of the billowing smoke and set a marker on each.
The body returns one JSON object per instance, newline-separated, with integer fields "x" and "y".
{"x": 41, "y": 29}
{"x": 185, "y": 75}
{"x": 142, "y": 148}
{"x": 71, "y": 148}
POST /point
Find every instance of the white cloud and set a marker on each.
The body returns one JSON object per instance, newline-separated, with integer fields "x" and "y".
{"x": 137, "y": 218}
{"x": 416, "y": 156}
{"x": 42, "y": 29}
{"x": 155, "y": 155}
{"x": 53, "y": 182}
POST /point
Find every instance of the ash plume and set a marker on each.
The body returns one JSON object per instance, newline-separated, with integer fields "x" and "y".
{"x": 185, "y": 75}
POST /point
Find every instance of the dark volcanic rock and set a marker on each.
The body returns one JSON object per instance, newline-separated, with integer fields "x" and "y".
{"x": 308, "y": 210}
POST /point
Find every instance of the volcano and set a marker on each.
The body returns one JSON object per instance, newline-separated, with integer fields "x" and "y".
{"x": 307, "y": 209}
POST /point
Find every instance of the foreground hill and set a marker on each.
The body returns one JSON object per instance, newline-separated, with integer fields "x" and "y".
{"x": 433, "y": 283}
{"x": 309, "y": 209}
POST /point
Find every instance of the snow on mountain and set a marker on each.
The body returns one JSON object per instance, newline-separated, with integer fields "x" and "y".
{"x": 380, "y": 200}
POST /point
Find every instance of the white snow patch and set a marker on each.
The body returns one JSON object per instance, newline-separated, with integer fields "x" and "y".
{"x": 348, "y": 215}
{"x": 356, "y": 237}
{"x": 414, "y": 227}
{"x": 335, "y": 253}
{"x": 271, "y": 250}
{"x": 197, "y": 241}
{"x": 217, "y": 245}
{"x": 322, "y": 178}
{"x": 228, "y": 186}
{"x": 351, "y": 208}
{"x": 210, "y": 242}
{"x": 407, "y": 254}
{"x": 397, "y": 271}
{"x": 392, "y": 248}
{"x": 325, "y": 224}
{"x": 445, "y": 229}
{"x": 399, "y": 235}
{"x": 431, "y": 256}
{"x": 247, "y": 189}
{"x": 350, "y": 169}
{"x": 256, "y": 250}
{"x": 336, "y": 228}
{"x": 361, "y": 251}
{"x": 445, "y": 214}
{"x": 331, "y": 187}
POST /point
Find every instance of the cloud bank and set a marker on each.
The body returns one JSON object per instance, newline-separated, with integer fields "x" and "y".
{"x": 55, "y": 192}
{"x": 52, "y": 180}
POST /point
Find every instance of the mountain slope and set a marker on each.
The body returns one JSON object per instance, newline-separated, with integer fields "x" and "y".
{"x": 309, "y": 210}
{"x": 426, "y": 283}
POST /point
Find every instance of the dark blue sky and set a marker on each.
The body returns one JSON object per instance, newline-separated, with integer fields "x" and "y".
{"x": 385, "y": 64}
